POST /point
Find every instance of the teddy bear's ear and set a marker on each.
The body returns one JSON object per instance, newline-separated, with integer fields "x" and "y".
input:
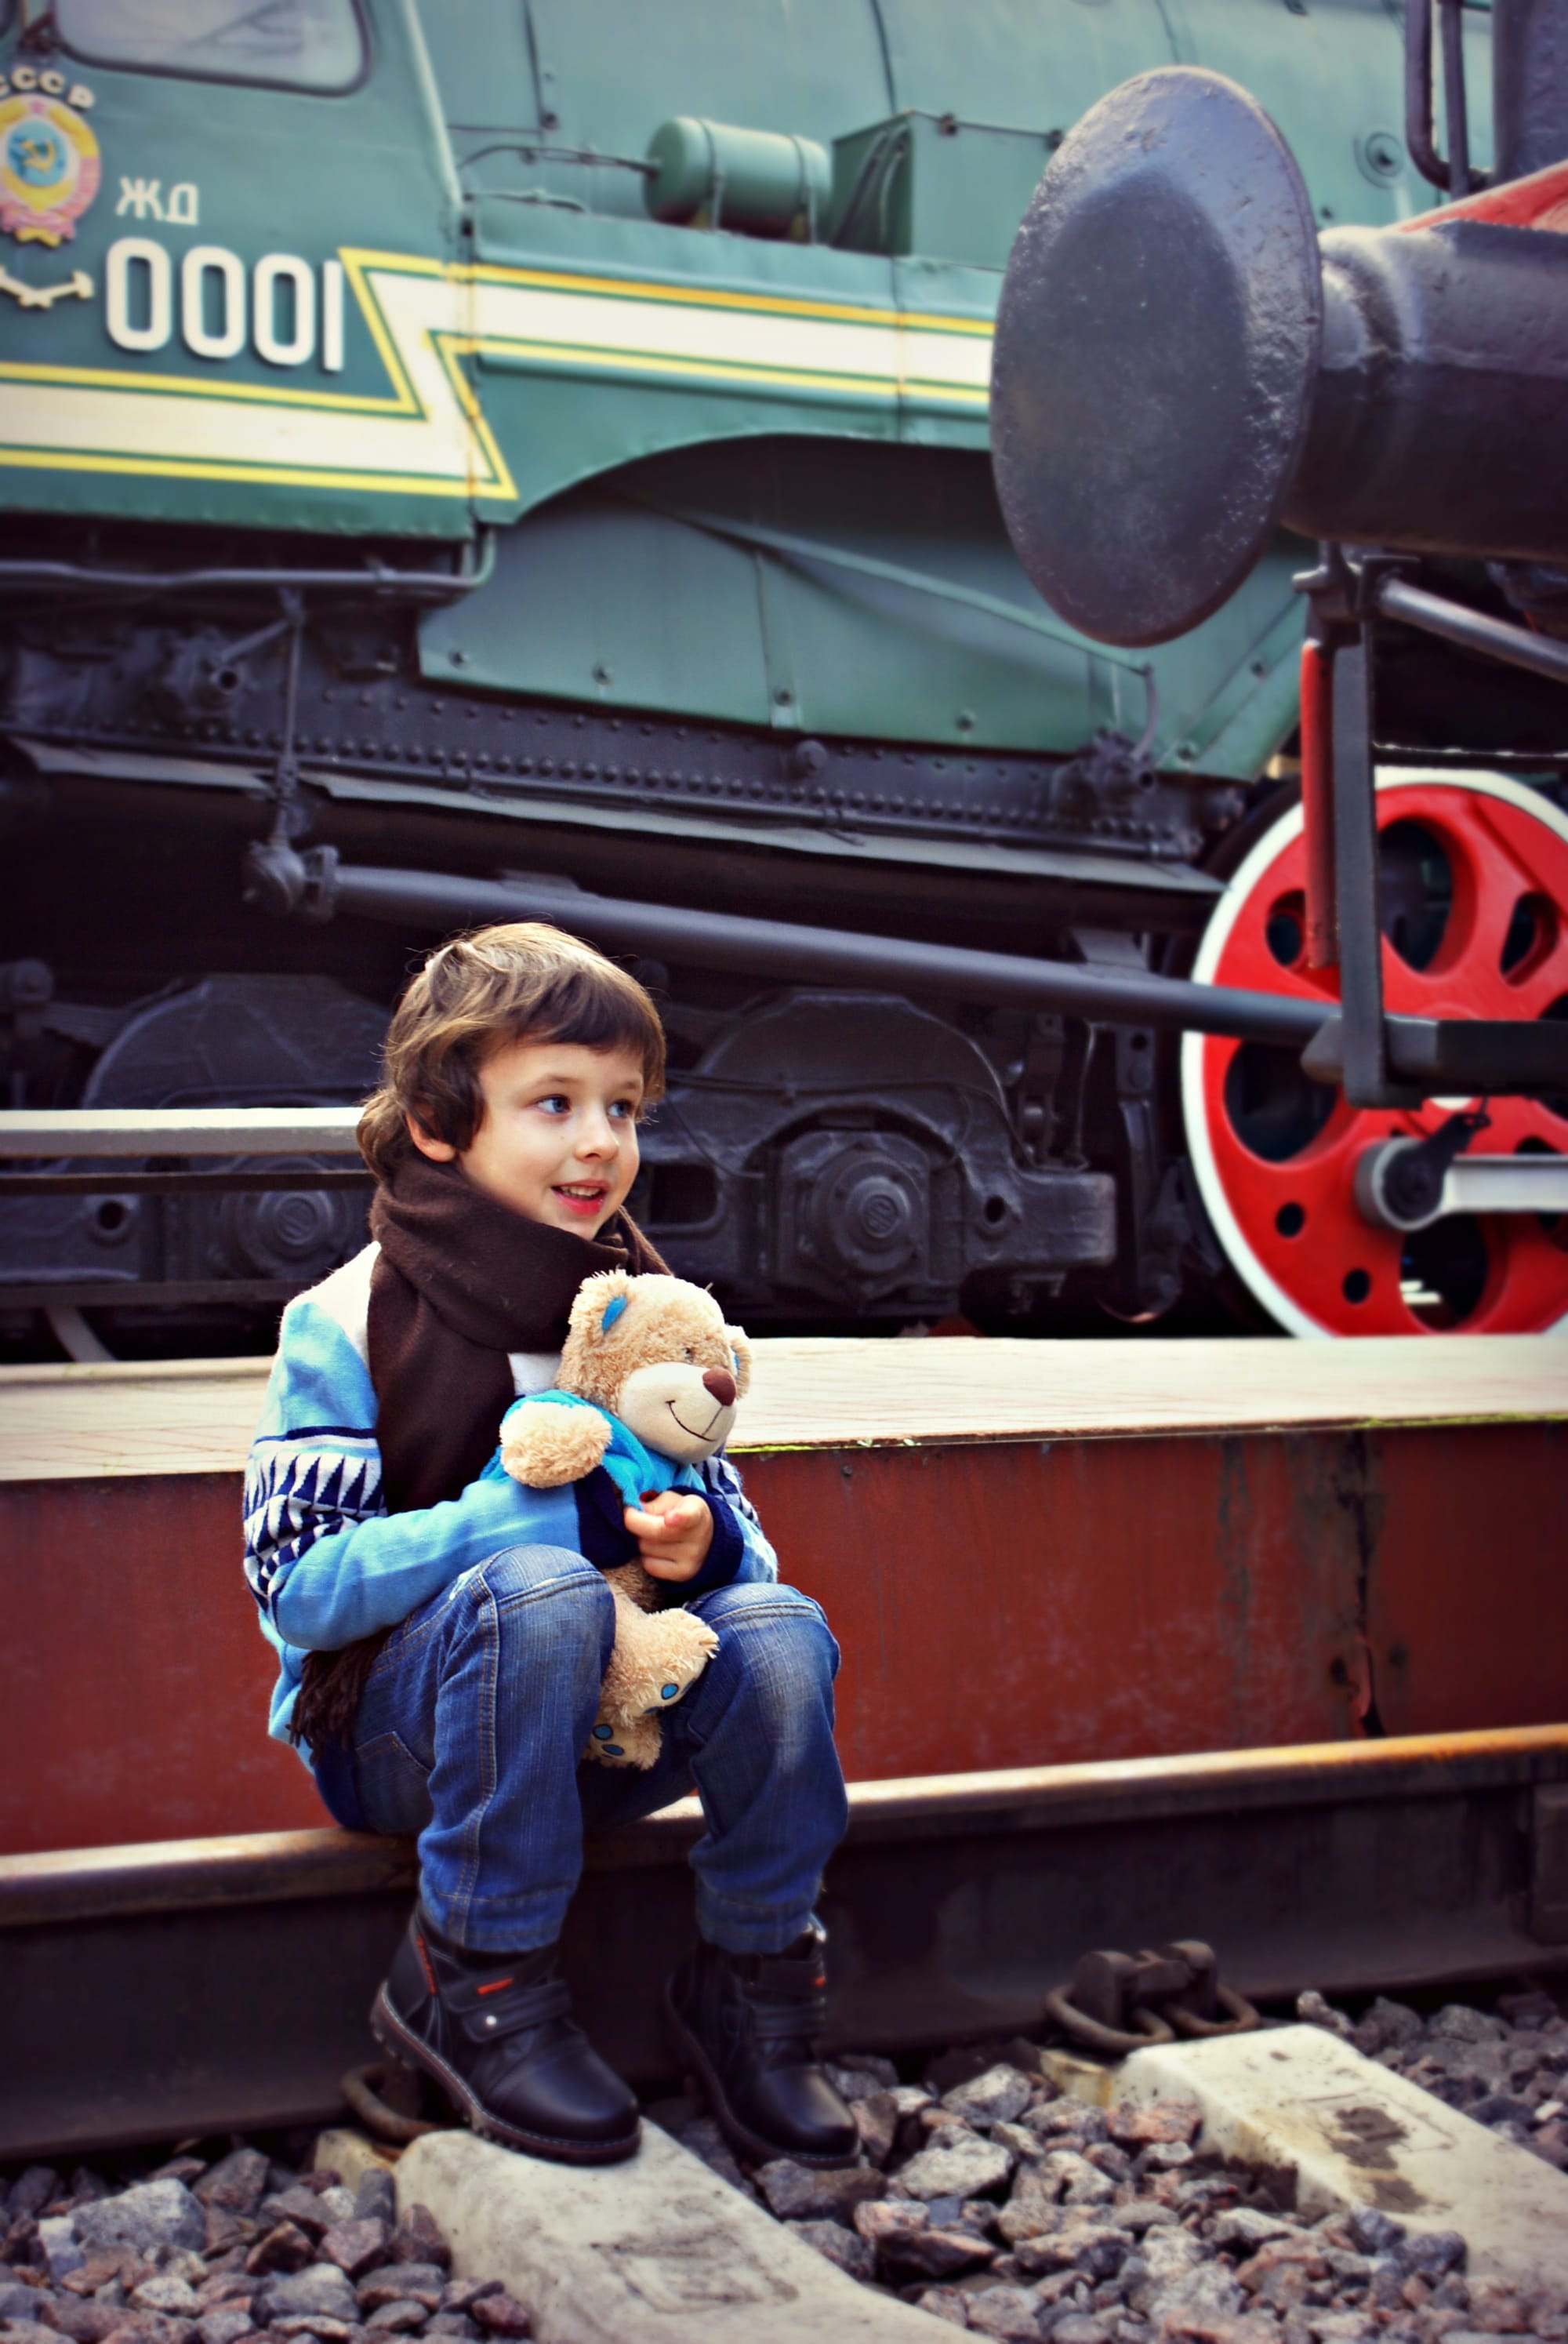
{"x": 740, "y": 1343}
{"x": 601, "y": 1301}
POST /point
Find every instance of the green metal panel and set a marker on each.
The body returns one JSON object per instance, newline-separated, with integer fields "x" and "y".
{"x": 603, "y": 75}
{"x": 1253, "y": 645}
{"x": 1330, "y": 74}
{"x": 655, "y": 588}
{"x": 866, "y": 592}
{"x": 480, "y": 53}
{"x": 136, "y": 380}
{"x": 704, "y": 449}
{"x": 535, "y": 93}
{"x": 1037, "y": 65}
{"x": 1328, "y": 71}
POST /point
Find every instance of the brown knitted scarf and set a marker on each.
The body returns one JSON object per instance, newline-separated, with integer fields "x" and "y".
{"x": 461, "y": 1281}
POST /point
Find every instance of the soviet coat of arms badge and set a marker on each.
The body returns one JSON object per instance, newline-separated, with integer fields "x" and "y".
{"x": 49, "y": 168}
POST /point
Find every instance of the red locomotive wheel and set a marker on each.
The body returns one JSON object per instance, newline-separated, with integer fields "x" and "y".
{"x": 1474, "y": 880}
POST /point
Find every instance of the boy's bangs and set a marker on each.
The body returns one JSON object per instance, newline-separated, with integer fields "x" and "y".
{"x": 579, "y": 1005}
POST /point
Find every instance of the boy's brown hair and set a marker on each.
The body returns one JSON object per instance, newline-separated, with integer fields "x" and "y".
{"x": 522, "y": 981}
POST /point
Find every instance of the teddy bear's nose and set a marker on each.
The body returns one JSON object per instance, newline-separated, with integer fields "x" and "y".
{"x": 721, "y": 1384}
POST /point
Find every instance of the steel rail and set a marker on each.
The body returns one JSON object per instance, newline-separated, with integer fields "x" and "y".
{"x": 182, "y": 1987}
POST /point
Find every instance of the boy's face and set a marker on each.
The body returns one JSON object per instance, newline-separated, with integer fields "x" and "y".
{"x": 558, "y": 1138}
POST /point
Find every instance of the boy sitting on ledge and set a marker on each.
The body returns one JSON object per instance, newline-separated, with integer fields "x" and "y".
{"x": 440, "y": 1673}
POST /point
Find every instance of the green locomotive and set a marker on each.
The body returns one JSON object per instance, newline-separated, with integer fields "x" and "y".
{"x": 546, "y": 441}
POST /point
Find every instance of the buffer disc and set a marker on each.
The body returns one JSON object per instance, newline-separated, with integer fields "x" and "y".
{"x": 1156, "y": 352}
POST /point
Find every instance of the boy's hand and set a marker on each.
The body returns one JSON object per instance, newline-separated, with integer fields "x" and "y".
{"x": 673, "y": 1533}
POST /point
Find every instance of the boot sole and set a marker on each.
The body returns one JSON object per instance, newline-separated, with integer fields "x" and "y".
{"x": 399, "y": 2044}
{"x": 740, "y": 2135}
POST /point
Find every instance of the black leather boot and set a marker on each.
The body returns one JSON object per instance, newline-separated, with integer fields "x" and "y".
{"x": 749, "y": 2023}
{"x": 497, "y": 2034}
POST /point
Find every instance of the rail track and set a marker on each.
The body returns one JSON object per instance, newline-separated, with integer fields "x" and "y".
{"x": 187, "y": 1986}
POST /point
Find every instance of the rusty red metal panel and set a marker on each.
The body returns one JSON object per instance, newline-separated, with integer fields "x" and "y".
{"x": 1019, "y": 1605}
{"x": 136, "y": 1678}
{"x": 1467, "y": 1576}
{"x": 1028, "y": 1605}
{"x": 1015, "y": 1604}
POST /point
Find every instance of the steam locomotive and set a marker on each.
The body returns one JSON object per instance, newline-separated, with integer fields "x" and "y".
{"x": 506, "y": 457}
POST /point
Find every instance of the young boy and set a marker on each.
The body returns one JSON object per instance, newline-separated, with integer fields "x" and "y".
{"x": 441, "y": 1660}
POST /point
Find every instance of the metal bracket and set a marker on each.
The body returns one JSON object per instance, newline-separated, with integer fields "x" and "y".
{"x": 388, "y": 2099}
{"x": 1389, "y": 1061}
{"x": 1118, "y": 2002}
{"x": 1355, "y": 879}
{"x": 1039, "y": 1073}
{"x": 277, "y": 879}
{"x": 1341, "y": 797}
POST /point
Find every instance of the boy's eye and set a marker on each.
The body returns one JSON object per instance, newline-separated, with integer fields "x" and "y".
{"x": 625, "y": 1110}
{"x": 556, "y": 1104}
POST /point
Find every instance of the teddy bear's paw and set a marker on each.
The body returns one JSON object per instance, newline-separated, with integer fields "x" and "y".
{"x": 545, "y": 1445}
{"x": 680, "y": 1644}
{"x": 625, "y": 1742}
{"x": 670, "y": 1657}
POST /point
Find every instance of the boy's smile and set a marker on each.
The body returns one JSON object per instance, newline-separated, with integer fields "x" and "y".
{"x": 558, "y": 1138}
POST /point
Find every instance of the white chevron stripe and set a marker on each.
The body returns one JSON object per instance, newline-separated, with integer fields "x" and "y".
{"x": 852, "y": 355}
{"x": 428, "y": 434}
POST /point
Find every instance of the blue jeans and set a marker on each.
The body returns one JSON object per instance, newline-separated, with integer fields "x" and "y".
{"x": 480, "y": 1703}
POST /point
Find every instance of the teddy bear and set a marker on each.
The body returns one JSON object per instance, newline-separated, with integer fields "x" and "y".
{"x": 647, "y": 1388}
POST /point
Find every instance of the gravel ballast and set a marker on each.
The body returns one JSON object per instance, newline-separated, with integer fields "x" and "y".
{"x": 1003, "y": 2208}
{"x": 982, "y": 2196}
{"x": 238, "y": 2250}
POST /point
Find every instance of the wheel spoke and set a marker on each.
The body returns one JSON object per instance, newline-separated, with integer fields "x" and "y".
{"x": 1279, "y": 1181}
{"x": 1504, "y": 858}
{"x": 1486, "y": 888}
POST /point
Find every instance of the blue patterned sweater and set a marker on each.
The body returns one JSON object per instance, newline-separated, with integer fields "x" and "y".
{"x": 326, "y": 1561}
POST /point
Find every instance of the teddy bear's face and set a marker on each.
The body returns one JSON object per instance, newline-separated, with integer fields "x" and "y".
{"x": 656, "y": 1353}
{"x": 684, "y": 1407}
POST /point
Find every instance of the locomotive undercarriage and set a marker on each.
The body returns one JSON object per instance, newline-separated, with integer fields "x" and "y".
{"x": 821, "y": 1158}
{"x": 824, "y": 1158}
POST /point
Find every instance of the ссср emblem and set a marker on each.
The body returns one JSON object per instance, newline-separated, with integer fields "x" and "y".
{"x": 49, "y": 169}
